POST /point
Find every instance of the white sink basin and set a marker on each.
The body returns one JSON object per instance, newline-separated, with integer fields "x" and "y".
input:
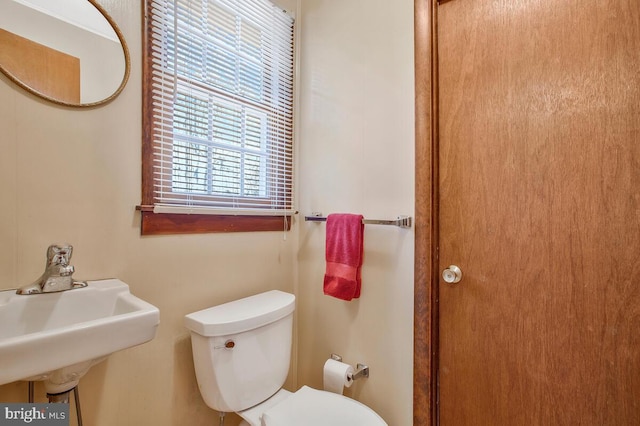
{"x": 57, "y": 337}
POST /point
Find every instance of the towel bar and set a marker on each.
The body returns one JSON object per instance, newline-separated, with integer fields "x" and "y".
{"x": 401, "y": 221}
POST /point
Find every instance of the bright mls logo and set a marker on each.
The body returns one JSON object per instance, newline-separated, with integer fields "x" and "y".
{"x": 34, "y": 414}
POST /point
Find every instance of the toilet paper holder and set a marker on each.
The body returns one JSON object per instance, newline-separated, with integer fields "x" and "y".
{"x": 361, "y": 369}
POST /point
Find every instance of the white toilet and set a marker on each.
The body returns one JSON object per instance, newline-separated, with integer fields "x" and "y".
{"x": 241, "y": 353}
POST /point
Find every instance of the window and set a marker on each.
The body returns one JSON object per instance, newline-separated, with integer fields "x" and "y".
{"x": 218, "y": 116}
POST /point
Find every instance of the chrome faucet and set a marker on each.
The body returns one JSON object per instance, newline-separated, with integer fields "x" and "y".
{"x": 57, "y": 275}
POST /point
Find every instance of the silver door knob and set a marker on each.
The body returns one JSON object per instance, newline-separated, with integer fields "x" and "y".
{"x": 452, "y": 274}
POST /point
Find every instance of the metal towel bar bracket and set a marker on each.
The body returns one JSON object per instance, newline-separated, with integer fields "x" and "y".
{"x": 401, "y": 221}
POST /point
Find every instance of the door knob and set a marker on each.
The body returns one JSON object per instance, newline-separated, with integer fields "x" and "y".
{"x": 452, "y": 274}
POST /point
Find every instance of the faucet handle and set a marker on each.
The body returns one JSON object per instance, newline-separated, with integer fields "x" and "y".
{"x": 59, "y": 254}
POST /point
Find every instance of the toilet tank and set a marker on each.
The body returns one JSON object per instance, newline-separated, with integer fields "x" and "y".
{"x": 242, "y": 349}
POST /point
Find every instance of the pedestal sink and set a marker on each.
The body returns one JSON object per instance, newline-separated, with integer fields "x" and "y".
{"x": 57, "y": 337}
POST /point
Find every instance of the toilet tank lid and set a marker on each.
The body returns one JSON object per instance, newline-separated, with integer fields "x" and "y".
{"x": 241, "y": 315}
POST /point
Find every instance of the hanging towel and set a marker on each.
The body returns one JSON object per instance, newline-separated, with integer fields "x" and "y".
{"x": 345, "y": 236}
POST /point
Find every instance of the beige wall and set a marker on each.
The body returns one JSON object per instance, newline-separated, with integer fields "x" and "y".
{"x": 356, "y": 146}
{"x": 74, "y": 175}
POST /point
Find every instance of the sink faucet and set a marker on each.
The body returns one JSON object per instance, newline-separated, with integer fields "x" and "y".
{"x": 57, "y": 275}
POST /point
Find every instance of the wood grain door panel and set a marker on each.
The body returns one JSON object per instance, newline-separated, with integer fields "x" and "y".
{"x": 539, "y": 121}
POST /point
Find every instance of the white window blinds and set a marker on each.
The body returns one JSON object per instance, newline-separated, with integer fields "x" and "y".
{"x": 222, "y": 106}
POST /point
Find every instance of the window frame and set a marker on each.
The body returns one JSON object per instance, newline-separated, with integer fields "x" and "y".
{"x": 153, "y": 223}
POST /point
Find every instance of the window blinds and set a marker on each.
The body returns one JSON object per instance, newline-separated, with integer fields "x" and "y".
{"x": 222, "y": 106}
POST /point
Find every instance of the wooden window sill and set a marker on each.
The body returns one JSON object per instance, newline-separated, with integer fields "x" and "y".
{"x": 170, "y": 224}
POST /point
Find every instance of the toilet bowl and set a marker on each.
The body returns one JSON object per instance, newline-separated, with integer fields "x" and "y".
{"x": 241, "y": 354}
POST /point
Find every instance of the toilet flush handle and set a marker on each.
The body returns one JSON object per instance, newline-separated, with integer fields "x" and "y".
{"x": 229, "y": 344}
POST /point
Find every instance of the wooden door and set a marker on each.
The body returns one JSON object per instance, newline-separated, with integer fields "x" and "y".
{"x": 539, "y": 174}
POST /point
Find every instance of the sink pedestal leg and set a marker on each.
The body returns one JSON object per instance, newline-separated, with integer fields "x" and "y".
{"x": 76, "y": 397}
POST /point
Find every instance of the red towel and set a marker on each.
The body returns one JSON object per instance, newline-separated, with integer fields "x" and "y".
{"x": 345, "y": 236}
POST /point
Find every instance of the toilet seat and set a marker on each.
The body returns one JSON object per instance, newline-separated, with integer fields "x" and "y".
{"x": 253, "y": 415}
{"x": 312, "y": 407}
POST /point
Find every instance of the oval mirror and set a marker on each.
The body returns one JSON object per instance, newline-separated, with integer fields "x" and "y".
{"x": 66, "y": 51}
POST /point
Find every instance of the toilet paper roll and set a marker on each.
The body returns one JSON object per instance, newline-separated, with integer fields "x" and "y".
{"x": 337, "y": 376}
